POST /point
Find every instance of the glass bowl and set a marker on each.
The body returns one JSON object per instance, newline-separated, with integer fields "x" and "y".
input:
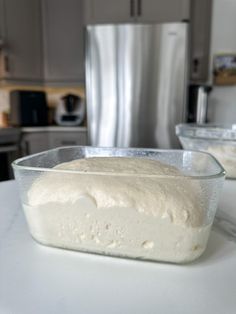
{"x": 218, "y": 140}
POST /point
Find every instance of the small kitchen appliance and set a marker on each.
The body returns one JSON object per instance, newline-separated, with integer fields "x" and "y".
{"x": 198, "y": 103}
{"x": 70, "y": 111}
{"x": 28, "y": 108}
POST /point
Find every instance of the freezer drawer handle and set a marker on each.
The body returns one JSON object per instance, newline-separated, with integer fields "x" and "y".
{"x": 68, "y": 142}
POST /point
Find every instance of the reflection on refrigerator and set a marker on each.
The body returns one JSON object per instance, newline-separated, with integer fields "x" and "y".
{"x": 136, "y": 84}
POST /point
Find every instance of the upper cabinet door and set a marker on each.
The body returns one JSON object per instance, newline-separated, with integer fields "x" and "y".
{"x": 200, "y": 37}
{"x": 2, "y": 24}
{"x": 109, "y": 11}
{"x": 2, "y": 39}
{"x": 23, "y": 40}
{"x": 139, "y": 11}
{"x": 162, "y": 11}
{"x": 63, "y": 41}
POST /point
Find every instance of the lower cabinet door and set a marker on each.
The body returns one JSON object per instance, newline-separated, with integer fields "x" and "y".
{"x": 33, "y": 143}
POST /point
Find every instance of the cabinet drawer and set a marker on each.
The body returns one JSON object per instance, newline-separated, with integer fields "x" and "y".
{"x": 58, "y": 139}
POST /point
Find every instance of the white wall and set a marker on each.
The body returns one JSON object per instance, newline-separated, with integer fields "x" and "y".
{"x": 222, "y": 100}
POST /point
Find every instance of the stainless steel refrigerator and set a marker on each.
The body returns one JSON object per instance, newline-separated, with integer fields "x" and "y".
{"x": 136, "y": 84}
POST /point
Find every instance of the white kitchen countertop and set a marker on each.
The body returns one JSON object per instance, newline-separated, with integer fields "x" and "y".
{"x": 35, "y": 279}
{"x": 54, "y": 128}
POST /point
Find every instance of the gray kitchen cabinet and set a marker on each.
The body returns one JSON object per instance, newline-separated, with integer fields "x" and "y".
{"x": 135, "y": 11}
{"x": 151, "y": 11}
{"x": 2, "y": 38}
{"x": 1, "y": 22}
{"x": 200, "y": 35}
{"x": 38, "y": 139}
{"x": 42, "y": 42}
{"x": 57, "y": 139}
{"x": 109, "y": 11}
{"x": 21, "y": 33}
{"x": 63, "y": 41}
{"x": 34, "y": 142}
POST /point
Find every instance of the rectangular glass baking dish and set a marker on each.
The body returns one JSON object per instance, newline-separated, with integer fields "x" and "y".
{"x": 218, "y": 140}
{"x": 153, "y": 217}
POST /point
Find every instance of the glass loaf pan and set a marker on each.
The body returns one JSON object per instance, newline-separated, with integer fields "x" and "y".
{"x": 169, "y": 219}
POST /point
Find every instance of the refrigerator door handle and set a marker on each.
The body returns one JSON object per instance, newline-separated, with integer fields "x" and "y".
{"x": 132, "y": 8}
{"x": 139, "y": 8}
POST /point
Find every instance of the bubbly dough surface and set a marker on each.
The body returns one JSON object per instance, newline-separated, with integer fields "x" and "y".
{"x": 118, "y": 165}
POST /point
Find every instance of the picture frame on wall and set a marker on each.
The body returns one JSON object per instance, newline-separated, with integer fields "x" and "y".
{"x": 224, "y": 69}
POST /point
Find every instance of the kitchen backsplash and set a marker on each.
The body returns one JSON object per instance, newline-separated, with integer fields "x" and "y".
{"x": 4, "y": 100}
{"x": 53, "y": 94}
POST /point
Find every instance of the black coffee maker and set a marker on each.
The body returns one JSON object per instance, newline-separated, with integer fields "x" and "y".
{"x": 198, "y": 103}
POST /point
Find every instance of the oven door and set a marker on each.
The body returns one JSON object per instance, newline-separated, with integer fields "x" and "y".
{"x": 8, "y": 153}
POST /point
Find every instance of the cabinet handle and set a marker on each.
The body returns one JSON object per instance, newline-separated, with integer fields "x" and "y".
{"x": 68, "y": 143}
{"x": 139, "y": 8}
{"x": 132, "y": 8}
{"x": 6, "y": 64}
{"x": 195, "y": 65}
{"x": 27, "y": 148}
